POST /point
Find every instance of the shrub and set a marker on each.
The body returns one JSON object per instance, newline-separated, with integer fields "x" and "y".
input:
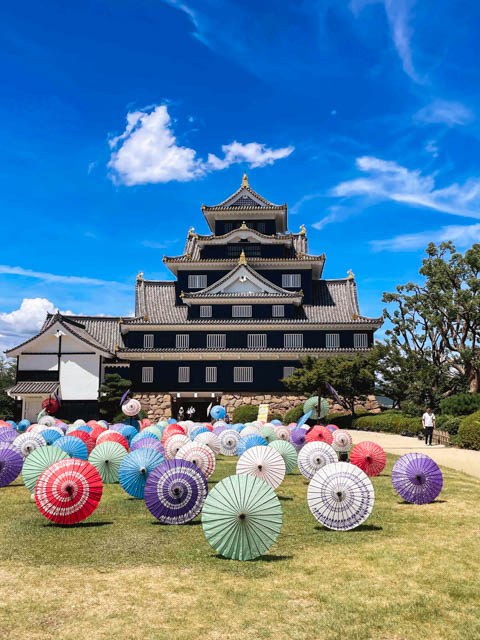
{"x": 388, "y": 424}
{"x": 449, "y": 423}
{"x": 293, "y": 415}
{"x": 340, "y": 420}
{"x": 275, "y": 416}
{"x": 460, "y": 404}
{"x": 245, "y": 413}
{"x": 469, "y": 432}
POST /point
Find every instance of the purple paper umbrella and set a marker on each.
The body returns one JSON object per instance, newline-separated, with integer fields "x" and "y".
{"x": 417, "y": 478}
{"x": 7, "y": 434}
{"x": 148, "y": 443}
{"x": 175, "y": 491}
{"x": 218, "y": 430}
{"x": 11, "y": 462}
{"x": 297, "y": 438}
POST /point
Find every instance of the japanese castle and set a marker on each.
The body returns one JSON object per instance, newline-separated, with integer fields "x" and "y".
{"x": 247, "y": 302}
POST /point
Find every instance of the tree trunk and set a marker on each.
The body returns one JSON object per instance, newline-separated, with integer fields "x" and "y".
{"x": 474, "y": 386}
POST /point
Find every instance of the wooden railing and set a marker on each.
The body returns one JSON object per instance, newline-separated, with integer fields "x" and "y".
{"x": 440, "y": 437}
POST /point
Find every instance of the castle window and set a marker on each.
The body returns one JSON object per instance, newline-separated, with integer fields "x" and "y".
{"x": 228, "y": 226}
{"x": 360, "y": 340}
{"x": 261, "y": 227}
{"x": 257, "y": 340}
{"x": 243, "y": 374}
{"x": 148, "y": 341}
{"x": 332, "y": 340}
{"x": 216, "y": 340}
{"x": 197, "y": 281}
{"x": 293, "y": 340}
{"x": 278, "y": 311}
{"x": 182, "y": 341}
{"x": 205, "y": 311}
{"x": 147, "y": 374}
{"x": 291, "y": 280}
{"x": 184, "y": 374}
{"x": 210, "y": 374}
{"x": 242, "y": 311}
{"x": 288, "y": 371}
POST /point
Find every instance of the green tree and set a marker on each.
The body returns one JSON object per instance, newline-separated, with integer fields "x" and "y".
{"x": 352, "y": 378}
{"x": 111, "y": 393}
{"x": 8, "y": 373}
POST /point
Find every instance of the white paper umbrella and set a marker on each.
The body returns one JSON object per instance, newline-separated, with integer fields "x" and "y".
{"x": 264, "y": 463}
{"x": 341, "y": 496}
{"x": 342, "y": 441}
{"x": 210, "y": 439}
{"x": 28, "y": 442}
{"x": 174, "y": 444}
{"x": 313, "y": 456}
{"x": 201, "y": 456}
{"x": 228, "y": 442}
{"x": 250, "y": 431}
{"x": 283, "y": 432}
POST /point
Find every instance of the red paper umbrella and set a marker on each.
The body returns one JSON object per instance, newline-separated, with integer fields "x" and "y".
{"x": 50, "y": 405}
{"x": 319, "y": 433}
{"x": 172, "y": 430}
{"x": 96, "y": 431}
{"x": 87, "y": 439}
{"x": 146, "y": 423}
{"x": 332, "y": 426}
{"x": 112, "y": 436}
{"x": 68, "y": 491}
{"x": 91, "y": 423}
{"x": 209, "y": 427}
{"x": 369, "y": 456}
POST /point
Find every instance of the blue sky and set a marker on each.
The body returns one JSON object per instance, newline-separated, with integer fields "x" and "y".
{"x": 121, "y": 117}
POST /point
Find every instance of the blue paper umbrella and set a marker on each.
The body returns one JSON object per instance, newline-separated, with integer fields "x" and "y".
{"x": 50, "y": 435}
{"x": 304, "y": 418}
{"x": 218, "y": 412}
{"x": 134, "y": 470}
{"x": 72, "y": 445}
{"x": 22, "y": 425}
{"x": 238, "y": 427}
{"x": 128, "y": 432}
{"x": 143, "y": 434}
{"x": 194, "y": 432}
{"x": 253, "y": 440}
{"x": 84, "y": 427}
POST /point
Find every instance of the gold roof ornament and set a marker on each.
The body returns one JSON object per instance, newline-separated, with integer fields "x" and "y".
{"x": 244, "y": 225}
{"x": 188, "y": 256}
{"x": 351, "y": 275}
{"x": 145, "y": 318}
{"x": 245, "y": 180}
{"x": 303, "y": 231}
{"x": 120, "y": 320}
{"x": 355, "y": 316}
{"x": 116, "y": 347}
{"x": 242, "y": 259}
{"x": 140, "y": 275}
{"x": 181, "y": 294}
{"x": 300, "y": 255}
{"x": 190, "y": 231}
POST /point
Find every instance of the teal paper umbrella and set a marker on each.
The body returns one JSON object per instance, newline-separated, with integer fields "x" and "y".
{"x": 36, "y": 463}
{"x": 242, "y": 517}
{"x": 106, "y": 458}
{"x": 268, "y": 433}
{"x": 288, "y": 453}
{"x": 312, "y": 405}
{"x": 72, "y": 445}
{"x": 134, "y": 470}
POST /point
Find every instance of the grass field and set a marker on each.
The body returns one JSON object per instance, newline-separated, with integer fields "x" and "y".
{"x": 409, "y": 572}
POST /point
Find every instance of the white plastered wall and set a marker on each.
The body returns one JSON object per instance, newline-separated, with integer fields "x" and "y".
{"x": 79, "y": 376}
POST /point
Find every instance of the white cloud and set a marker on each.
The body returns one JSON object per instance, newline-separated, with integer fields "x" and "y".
{"x": 390, "y": 181}
{"x": 52, "y": 277}
{"x": 445, "y": 112}
{"x": 461, "y": 236}
{"x": 432, "y": 148}
{"x": 335, "y": 214}
{"x": 159, "y": 245}
{"x": 147, "y": 152}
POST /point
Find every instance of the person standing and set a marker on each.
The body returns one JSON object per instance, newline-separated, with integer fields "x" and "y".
{"x": 428, "y": 422}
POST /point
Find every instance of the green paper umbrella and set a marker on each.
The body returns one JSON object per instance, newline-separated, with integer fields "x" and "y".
{"x": 241, "y": 517}
{"x": 39, "y": 460}
{"x": 288, "y": 453}
{"x": 106, "y": 458}
{"x": 268, "y": 433}
{"x": 312, "y": 404}
{"x": 155, "y": 429}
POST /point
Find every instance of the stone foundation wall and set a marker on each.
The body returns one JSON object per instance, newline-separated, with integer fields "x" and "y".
{"x": 158, "y": 405}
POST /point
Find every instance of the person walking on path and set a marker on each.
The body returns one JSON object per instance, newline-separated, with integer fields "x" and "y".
{"x": 428, "y": 422}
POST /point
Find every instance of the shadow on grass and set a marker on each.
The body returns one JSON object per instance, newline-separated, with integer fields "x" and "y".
{"x": 184, "y": 524}
{"x": 404, "y": 502}
{"x": 269, "y": 558}
{"x": 212, "y": 481}
{"x": 13, "y": 485}
{"x": 284, "y": 498}
{"x": 362, "y": 527}
{"x": 78, "y": 525}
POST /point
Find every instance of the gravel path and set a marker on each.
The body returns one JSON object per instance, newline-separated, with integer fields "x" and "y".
{"x": 459, "y": 459}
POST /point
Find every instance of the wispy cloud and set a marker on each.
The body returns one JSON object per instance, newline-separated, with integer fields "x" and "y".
{"x": 335, "y": 214}
{"x": 461, "y": 236}
{"x": 446, "y": 112}
{"x": 388, "y": 180}
{"x": 431, "y": 147}
{"x": 159, "y": 245}
{"x": 148, "y": 152}
{"x": 295, "y": 208}
{"x": 52, "y": 277}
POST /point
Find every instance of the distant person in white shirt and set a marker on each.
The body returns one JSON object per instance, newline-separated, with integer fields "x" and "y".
{"x": 428, "y": 422}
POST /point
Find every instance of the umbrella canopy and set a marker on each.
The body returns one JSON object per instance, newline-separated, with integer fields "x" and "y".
{"x": 197, "y": 431}
{"x": 11, "y": 461}
{"x": 314, "y": 456}
{"x": 169, "y": 431}
{"x": 253, "y": 440}
{"x": 7, "y": 434}
{"x": 241, "y": 517}
{"x": 264, "y": 463}
{"x": 68, "y": 491}
{"x": 297, "y": 437}
{"x": 218, "y": 430}
{"x": 149, "y": 443}
{"x": 36, "y": 463}
{"x": 174, "y": 444}
{"x": 175, "y": 492}
{"x": 268, "y": 433}
{"x": 238, "y": 427}
{"x": 48, "y": 421}
{"x": 251, "y": 429}
{"x": 96, "y": 431}
{"x": 218, "y": 412}
{"x": 112, "y": 436}
{"x": 332, "y": 427}
{"x": 200, "y": 455}
{"x": 128, "y": 432}
{"x": 25, "y": 443}
{"x": 84, "y": 437}
{"x": 106, "y": 458}
{"x": 319, "y": 433}
{"x": 156, "y": 431}
{"x": 417, "y": 478}
{"x": 22, "y": 425}
{"x": 282, "y": 432}
{"x": 131, "y": 407}
{"x": 369, "y": 456}
{"x": 72, "y": 445}
{"x": 288, "y": 453}
{"x": 340, "y": 496}
{"x": 85, "y": 427}
{"x": 210, "y": 439}
{"x": 312, "y": 405}
{"x": 134, "y": 470}
{"x": 142, "y": 435}
{"x": 228, "y": 442}
{"x": 342, "y": 441}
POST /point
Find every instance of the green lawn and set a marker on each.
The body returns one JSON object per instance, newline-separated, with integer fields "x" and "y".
{"x": 409, "y": 572}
